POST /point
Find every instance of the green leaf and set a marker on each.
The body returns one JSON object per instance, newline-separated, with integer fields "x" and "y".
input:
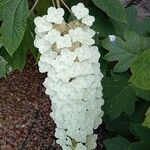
{"x": 118, "y": 95}
{"x": 3, "y": 64}
{"x": 2, "y": 7}
{"x": 139, "y": 114}
{"x": 104, "y": 65}
{"x": 18, "y": 60}
{"x": 5, "y": 54}
{"x": 139, "y": 26}
{"x": 143, "y": 141}
{"x": 141, "y": 71}
{"x": 42, "y": 6}
{"x": 133, "y": 24}
{"x": 146, "y": 123}
{"x": 73, "y": 2}
{"x": 118, "y": 143}
{"x": 15, "y": 14}
{"x": 120, "y": 125}
{"x": 121, "y": 143}
{"x": 125, "y": 52}
{"x": 102, "y": 23}
{"x": 31, "y": 27}
{"x": 145, "y": 94}
{"x": 113, "y": 8}
{"x": 1, "y": 45}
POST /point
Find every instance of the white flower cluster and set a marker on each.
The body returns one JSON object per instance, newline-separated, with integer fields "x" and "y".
{"x": 74, "y": 78}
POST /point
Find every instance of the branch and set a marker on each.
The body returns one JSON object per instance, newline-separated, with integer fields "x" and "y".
{"x": 36, "y": 2}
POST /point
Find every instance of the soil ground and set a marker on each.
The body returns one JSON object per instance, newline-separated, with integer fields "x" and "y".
{"x": 25, "y": 123}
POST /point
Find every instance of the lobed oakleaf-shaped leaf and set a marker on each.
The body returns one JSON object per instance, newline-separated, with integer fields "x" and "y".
{"x": 146, "y": 123}
{"x": 125, "y": 52}
{"x": 3, "y": 64}
{"x": 14, "y": 14}
{"x": 113, "y": 8}
{"x": 119, "y": 143}
{"x": 118, "y": 95}
{"x": 141, "y": 71}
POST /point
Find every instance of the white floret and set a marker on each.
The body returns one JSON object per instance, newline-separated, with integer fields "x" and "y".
{"x": 42, "y": 25}
{"x": 64, "y": 41}
{"x": 39, "y": 35}
{"x": 80, "y": 10}
{"x": 98, "y": 119}
{"x": 67, "y": 56}
{"x": 55, "y": 15}
{"x": 88, "y": 20}
{"x": 64, "y": 147}
{"x": 91, "y": 142}
{"x": 79, "y": 35}
{"x": 81, "y": 147}
{"x": 42, "y": 45}
{"x": 84, "y": 53}
{"x": 52, "y": 36}
{"x": 60, "y": 133}
{"x": 89, "y": 31}
{"x": 76, "y": 34}
{"x": 43, "y": 67}
{"x": 48, "y": 57}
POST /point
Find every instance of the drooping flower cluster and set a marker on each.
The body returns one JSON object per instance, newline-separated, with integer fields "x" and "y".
{"x": 74, "y": 78}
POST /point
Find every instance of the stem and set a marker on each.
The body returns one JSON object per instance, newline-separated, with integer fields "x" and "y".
{"x": 58, "y": 3}
{"x": 66, "y": 5}
{"x": 36, "y": 2}
{"x": 53, "y": 3}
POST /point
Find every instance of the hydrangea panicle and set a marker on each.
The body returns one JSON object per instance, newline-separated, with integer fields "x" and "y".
{"x": 73, "y": 81}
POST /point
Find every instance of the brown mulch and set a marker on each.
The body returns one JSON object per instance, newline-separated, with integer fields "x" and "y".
{"x": 25, "y": 123}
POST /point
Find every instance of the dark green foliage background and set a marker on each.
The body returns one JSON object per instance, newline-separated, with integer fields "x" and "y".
{"x": 124, "y": 63}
